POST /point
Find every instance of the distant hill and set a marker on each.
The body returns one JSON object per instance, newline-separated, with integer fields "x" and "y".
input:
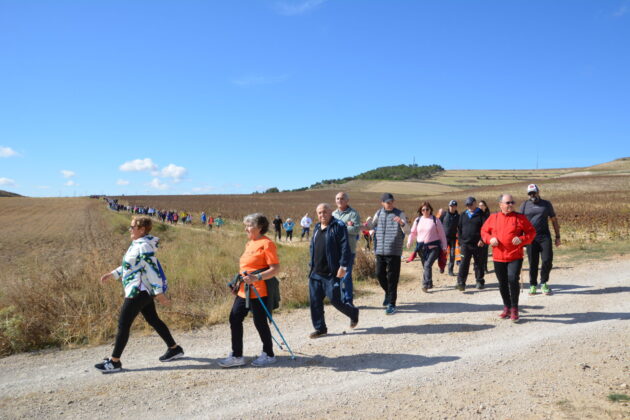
{"x": 386, "y": 173}
{"x": 453, "y": 180}
{"x": 8, "y": 194}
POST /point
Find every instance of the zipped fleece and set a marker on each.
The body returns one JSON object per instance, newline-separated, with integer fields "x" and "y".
{"x": 337, "y": 247}
{"x": 505, "y": 227}
{"x": 139, "y": 266}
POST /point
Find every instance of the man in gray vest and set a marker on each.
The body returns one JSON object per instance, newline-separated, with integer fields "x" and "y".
{"x": 388, "y": 244}
{"x": 352, "y": 219}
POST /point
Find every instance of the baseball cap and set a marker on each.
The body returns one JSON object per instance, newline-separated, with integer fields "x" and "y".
{"x": 452, "y": 203}
{"x": 470, "y": 200}
{"x": 387, "y": 197}
{"x": 532, "y": 188}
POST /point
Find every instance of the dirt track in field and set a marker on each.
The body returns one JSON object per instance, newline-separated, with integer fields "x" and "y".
{"x": 443, "y": 355}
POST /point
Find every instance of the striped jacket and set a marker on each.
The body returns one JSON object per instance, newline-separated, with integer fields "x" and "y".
{"x": 139, "y": 270}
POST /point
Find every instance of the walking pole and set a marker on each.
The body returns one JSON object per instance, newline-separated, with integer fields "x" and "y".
{"x": 273, "y": 322}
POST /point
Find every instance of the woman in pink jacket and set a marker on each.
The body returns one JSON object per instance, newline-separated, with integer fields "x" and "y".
{"x": 430, "y": 238}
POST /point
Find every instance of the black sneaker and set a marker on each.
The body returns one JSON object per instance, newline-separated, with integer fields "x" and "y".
{"x": 109, "y": 366}
{"x": 172, "y": 354}
{"x": 480, "y": 285}
{"x": 355, "y": 321}
{"x": 317, "y": 334}
{"x": 461, "y": 287}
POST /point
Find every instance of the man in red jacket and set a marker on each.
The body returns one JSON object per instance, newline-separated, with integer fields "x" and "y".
{"x": 507, "y": 232}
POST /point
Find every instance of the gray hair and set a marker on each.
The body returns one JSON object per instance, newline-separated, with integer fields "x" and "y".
{"x": 324, "y": 205}
{"x": 503, "y": 195}
{"x": 344, "y": 195}
{"x": 259, "y": 220}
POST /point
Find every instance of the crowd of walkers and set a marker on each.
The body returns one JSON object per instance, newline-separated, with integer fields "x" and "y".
{"x": 172, "y": 217}
{"x": 331, "y": 259}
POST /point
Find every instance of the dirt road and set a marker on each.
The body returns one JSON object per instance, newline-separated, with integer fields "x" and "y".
{"x": 443, "y": 355}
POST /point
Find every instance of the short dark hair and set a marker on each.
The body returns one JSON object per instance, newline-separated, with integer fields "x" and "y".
{"x": 259, "y": 220}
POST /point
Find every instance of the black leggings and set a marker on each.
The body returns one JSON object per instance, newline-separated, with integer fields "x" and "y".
{"x": 540, "y": 248}
{"x": 509, "y": 274}
{"x": 130, "y": 309}
{"x": 238, "y": 314}
{"x": 289, "y": 235}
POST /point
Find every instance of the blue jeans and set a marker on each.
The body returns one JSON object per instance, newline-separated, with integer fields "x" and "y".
{"x": 321, "y": 287}
{"x": 346, "y": 282}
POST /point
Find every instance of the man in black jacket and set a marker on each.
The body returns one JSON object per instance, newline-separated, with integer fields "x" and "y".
{"x": 470, "y": 243}
{"x": 330, "y": 255}
{"x": 450, "y": 221}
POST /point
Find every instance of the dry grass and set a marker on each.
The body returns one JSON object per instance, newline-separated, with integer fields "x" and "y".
{"x": 52, "y": 252}
{"x": 55, "y": 250}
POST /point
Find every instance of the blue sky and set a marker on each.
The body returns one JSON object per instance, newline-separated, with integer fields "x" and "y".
{"x": 181, "y": 97}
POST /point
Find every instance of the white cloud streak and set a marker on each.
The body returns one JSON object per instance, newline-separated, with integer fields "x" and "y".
{"x": 621, "y": 11}
{"x": 295, "y": 8}
{"x": 6, "y": 152}
{"x": 173, "y": 171}
{"x": 67, "y": 174}
{"x": 122, "y": 182}
{"x": 7, "y": 182}
{"x": 139, "y": 165}
{"x": 71, "y": 183}
{"x": 156, "y": 184}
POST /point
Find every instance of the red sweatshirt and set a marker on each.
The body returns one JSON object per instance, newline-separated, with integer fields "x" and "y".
{"x": 505, "y": 227}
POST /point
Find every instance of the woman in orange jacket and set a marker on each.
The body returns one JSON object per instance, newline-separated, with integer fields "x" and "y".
{"x": 507, "y": 232}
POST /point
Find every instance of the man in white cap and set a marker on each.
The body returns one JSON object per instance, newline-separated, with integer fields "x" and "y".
{"x": 538, "y": 212}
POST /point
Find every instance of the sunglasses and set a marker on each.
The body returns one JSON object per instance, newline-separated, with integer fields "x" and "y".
{"x": 133, "y": 227}
{"x": 426, "y": 209}
{"x": 509, "y": 202}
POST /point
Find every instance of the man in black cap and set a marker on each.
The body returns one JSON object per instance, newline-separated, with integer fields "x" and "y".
{"x": 470, "y": 243}
{"x": 538, "y": 212}
{"x": 450, "y": 221}
{"x": 388, "y": 244}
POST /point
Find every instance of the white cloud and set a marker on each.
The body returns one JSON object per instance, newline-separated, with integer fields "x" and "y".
{"x": 67, "y": 174}
{"x": 139, "y": 165}
{"x": 156, "y": 184}
{"x": 71, "y": 183}
{"x": 7, "y": 182}
{"x": 7, "y": 152}
{"x": 122, "y": 182}
{"x": 256, "y": 80}
{"x": 174, "y": 171}
{"x": 299, "y": 7}
{"x": 621, "y": 11}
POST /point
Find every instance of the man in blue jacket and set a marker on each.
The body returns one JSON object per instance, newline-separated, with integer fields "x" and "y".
{"x": 330, "y": 254}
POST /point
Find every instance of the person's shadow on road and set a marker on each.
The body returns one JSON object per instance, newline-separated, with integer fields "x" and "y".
{"x": 578, "y": 317}
{"x": 375, "y": 363}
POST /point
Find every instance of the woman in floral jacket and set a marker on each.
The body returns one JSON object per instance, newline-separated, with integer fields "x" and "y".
{"x": 143, "y": 281}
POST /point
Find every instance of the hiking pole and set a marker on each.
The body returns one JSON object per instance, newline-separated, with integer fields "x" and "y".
{"x": 273, "y": 322}
{"x": 234, "y": 285}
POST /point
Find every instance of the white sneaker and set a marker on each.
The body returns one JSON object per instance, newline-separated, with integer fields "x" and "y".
{"x": 232, "y": 361}
{"x": 264, "y": 360}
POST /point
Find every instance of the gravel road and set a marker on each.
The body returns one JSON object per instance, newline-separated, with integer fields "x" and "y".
{"x": 443, "y": 355}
